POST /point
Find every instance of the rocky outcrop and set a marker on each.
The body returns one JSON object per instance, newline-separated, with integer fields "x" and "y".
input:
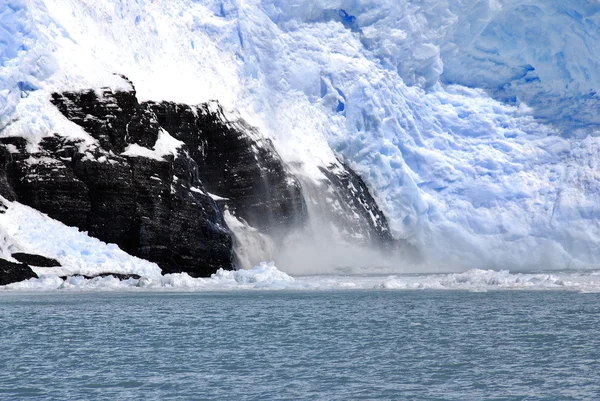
{"x": 121, "y": 277}
{"x": 35, "y": 260}
{"x": 11, "y": 272}
{"x": 159, "y": 176}
{"x": 351, "y": 207}
{"x": 147, "y": 183}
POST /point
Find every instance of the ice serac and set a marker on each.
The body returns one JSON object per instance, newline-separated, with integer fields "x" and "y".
{"x": 539, "y": 53}
{"x": 473, "y": 123}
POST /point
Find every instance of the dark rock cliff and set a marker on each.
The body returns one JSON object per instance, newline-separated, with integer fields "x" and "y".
{"x": 11, "y": 272}
{"x": 353, "y": 209}
{"x": 156, "y": 207}
{"x": 236, "y": 163}
{"x": 149, "y": 181}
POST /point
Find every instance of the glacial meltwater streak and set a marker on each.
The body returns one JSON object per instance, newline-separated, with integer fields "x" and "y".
{"x": 272, "y": 345}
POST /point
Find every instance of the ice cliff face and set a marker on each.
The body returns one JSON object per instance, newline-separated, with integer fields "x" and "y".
{"x": 473, "y": 123}
{"x": 541, "y": 53}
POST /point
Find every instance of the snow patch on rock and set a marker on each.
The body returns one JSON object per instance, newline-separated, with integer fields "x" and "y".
{"x": 34, "y": 232}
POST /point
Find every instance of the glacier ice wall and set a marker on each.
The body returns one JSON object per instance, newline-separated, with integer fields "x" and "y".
{"x": 472, "y": 177}
{"x": 542, "y": 53}
{"x": 474, "y": 122}
{"x": 25, "y": 60}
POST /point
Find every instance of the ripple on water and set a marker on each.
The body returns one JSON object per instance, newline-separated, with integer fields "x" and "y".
{"x": 341, "y": 345}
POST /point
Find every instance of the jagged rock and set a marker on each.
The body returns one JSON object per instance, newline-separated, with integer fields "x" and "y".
{"x": 344, "y": 197}
{"x": 119, "y": 276}
{"x": 153, "y": 208}
{"x": 160, "y": 207}
{"x": 351, "y": 206}
{"x": 14, "y": 272}
{"x": 106, "y": 118}
{"x": 236, "y": 163}
{"x": 35, "y": 260}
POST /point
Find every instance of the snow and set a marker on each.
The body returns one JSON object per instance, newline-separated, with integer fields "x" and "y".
{"x": 12, "y": 148}
{"x": 163, "y": 47}
{"x": 213, "y": 196}
{"x": 34, "y": 232}
{"x": 165, "y": 145}
{"x": 135, "y": 150}
{"x": 474, "y": 123}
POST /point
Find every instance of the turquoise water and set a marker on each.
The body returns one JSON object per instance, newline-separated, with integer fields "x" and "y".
{"x": 272, "y": 345}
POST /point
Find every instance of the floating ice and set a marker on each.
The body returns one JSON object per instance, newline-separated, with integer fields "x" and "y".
{"x": 266, "y": 274}
{"x": 268, "y": 277}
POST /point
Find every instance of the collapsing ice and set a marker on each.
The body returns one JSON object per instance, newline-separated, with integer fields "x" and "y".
{"x": 473, "y": 124}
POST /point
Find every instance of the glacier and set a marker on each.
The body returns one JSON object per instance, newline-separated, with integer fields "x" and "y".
{"x": 475, "y": 123}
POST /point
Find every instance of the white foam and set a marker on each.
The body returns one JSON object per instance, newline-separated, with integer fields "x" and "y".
{"x": 267, "y": 277}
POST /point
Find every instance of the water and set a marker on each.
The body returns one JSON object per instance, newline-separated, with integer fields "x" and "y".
{"x": 271, "y": 345}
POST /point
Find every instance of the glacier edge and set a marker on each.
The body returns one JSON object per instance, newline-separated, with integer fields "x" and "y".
{"x": 466, "y": 158}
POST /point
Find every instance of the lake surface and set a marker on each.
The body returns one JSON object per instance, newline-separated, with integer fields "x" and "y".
{"x": 273, "y": 345}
